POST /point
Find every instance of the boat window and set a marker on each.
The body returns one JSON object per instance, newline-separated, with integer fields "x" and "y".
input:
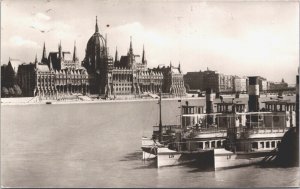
{"x": 262, "y": 144}
{"x": 206, "y": 145}
{"x": 254, "y": 145}
{"x": 273, "y": 144}
{"x": 267, "y": 144}
{"x": 213, "y": 144}
{"x": 201, "y": 145}
{"x": 219, "y": 144}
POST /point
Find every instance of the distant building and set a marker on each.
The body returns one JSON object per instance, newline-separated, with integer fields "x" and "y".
{"x": 27, "y": 78}
{"x": 211, "y": 79}
{"x": 127, "y": 76}
{"x": 194, "y": 80}
{"x": 61, "y": 74}
{"x": 278, "y": 85}
{"x": 54, "y": 77}
{"x": 263, "y": 84}
{"x": 240, "y": 84}
{"x": 220, "y": 83}
{"x": 8, "y": 75}
{"x": 173, "y": 82}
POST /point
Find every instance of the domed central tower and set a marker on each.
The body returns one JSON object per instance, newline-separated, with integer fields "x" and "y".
{"x": 95, "y": 61}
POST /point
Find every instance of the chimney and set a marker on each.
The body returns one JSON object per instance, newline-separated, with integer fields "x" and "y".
{"x": 253, "y": 104}
{"x": 209, "y": 101}
{"x": 210, "y": 96}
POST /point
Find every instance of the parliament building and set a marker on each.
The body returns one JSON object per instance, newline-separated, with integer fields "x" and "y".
{"x": 99, "y": 74}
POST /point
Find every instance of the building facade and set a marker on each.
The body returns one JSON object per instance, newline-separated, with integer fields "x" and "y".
{"x": 60, "y": 74}
{"x": 128, "y": 75}
{"x": 173, "y": 82}
{"x": 240, "y": 84}
{"x": 194, "y": 80}
{"x": 278, "y": 85}
{"x": 54, "y": 77}
{"x": 219, "y": 83}
{"x": 263, "y": 84}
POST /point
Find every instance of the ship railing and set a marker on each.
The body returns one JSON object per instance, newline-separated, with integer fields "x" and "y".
{"x": 167, "y": 128}
{"x": 265, "y": 130}
{"x": 260, "y": 130}
{"x": 197, "y": 145}
{"x": 209, "y": 130}
{"x": 193, "y": 133}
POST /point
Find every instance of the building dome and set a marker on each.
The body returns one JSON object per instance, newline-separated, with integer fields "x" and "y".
{"x": 95, "y": 51}
{"x": 96, "y": 42}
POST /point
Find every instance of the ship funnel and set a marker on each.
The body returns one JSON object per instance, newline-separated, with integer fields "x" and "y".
{"x": 253, "y": 91}
{"x": 210, "y": 97}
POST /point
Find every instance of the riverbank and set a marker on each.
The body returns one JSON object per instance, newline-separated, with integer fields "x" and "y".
{"x": 36, "y": 101}
{"x": 25, "y": 101}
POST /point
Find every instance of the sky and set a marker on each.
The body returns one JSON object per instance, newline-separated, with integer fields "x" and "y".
{"x": 244, "y": 38}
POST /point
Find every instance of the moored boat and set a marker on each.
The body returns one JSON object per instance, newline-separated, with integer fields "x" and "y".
{"x": 257, "y": 139}
{"x": 185, "y": 143}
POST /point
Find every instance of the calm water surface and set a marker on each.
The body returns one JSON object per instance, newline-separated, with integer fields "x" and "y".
{"x": 98, "y": 145}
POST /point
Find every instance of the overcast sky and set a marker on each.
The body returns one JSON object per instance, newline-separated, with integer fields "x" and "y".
{"x": 240, "y": 38}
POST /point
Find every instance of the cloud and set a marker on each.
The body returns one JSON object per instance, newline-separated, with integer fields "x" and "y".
{"x": 18, "y": 41}
{"x": 41, "y": 16}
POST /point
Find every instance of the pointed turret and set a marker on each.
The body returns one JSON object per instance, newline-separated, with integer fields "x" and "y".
{"x": 50, "y": 64}
{"x": 44, "y": 56}
{"x": 116, "y": 55}
{"x": 75, "y": 53}
{"x": 35, "y": 60}
{"x": 130, "y": 47}
{"x": 179, "y": 68}
{"x": 144, "y": 61}
{"x": 59, "y": 50}
{"x": 96, "y": 27}
{"x": 170, "y": 64}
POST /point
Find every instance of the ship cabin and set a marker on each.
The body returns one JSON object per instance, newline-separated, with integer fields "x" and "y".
{"x": 192, "y": 116}
{"x": 200, "y": 132}
{"x": 229, "y": 114}
{"x": 263, "y": 130}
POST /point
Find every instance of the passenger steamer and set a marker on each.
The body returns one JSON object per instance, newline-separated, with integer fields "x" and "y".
{"x": 189, "y": 142}
{"x": 257, "y": 139}
{"x": 231, "y": 137}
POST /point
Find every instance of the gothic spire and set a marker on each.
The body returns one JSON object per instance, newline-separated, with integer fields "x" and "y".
{"x": 170, "y": 64}
{"x": 59, "y": 50}
{"x": 96, "y": 27}
{"x": 179, "y": 67}
{"x": 75, "y": 53}
{"x": 44, "y": 52}
{"x": 50, "y": 63}
{"x": 130, "y": 47}
{"x": 116, "y": 55}
{"x": 143, "y": 56}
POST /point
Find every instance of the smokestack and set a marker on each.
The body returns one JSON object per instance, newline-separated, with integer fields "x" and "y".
{"x": 209, "y": 101}
{"x": 210, "y": 97}
{"x": 253, "y": 104}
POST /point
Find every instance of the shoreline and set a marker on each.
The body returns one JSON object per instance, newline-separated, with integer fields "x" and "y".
{"x": 26, "y": 100}
{"x": 53, "y": 102}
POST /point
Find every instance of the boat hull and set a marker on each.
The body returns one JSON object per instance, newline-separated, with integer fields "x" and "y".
{"x": 200, "y": 159}
{"x": 224, "y": 159}
{"x": 149, "y": 152}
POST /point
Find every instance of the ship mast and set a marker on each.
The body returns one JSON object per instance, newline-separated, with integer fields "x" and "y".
{"x": 160, "y": 122}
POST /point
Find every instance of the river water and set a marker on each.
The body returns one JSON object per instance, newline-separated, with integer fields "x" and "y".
{"x": 98, "y": 145}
